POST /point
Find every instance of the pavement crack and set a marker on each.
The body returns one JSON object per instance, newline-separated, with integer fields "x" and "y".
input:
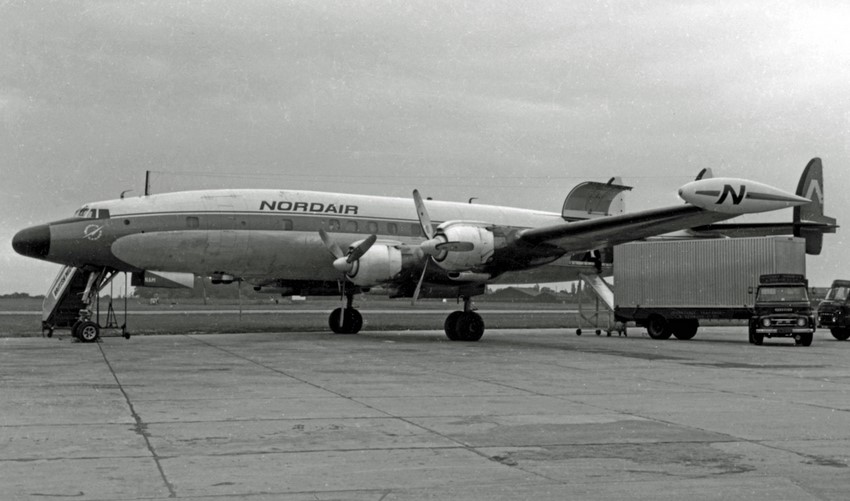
{"x": 140, "y": 426}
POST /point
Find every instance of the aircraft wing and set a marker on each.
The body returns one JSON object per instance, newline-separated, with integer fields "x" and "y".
{"x": 613, "y": 230}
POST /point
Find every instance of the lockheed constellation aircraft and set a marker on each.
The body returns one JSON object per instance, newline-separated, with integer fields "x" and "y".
{"x": 312, "y": 243}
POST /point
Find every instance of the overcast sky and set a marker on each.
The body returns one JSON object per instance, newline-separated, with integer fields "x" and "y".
{"x": 511, "y": 102}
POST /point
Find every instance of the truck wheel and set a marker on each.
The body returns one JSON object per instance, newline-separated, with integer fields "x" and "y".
{"x": 841, "y": 334}
{"x": 685, "y": 329}
{"x": 806, "y": 339}
{"x": 658, "y": 328}
{"x": 752, "y": 331}
{"x": 758, "y": 338}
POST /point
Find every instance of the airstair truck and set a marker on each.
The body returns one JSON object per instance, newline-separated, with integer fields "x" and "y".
{"x": 668, "y": 286}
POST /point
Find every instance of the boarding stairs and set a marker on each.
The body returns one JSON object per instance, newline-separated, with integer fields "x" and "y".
{"x": 74, "y": 296}
{"x": 601, "y": 295}
{"x": 64, "y": 300}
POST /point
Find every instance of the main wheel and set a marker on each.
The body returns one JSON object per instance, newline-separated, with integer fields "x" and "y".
{"x": 88, "y": 331}
{"x": 841, "y": 334}
{"x": 469, "y": 326}
{"x": 450, "y": 325}
{"x": 657, "y": 327}
{"x": 351, "y": 323}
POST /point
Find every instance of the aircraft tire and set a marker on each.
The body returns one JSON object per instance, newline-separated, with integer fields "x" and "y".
{"x": 841, "y": 334}
{"x": 658, "y": 328}
{"x": 470, "y": 326}
{"x": 355, "y": 319}
{"x": 351, "y": 324}
{"x": 88, "y": 332}
{"x": 450, "y": 325}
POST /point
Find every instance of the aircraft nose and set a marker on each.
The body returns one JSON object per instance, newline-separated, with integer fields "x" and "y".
{"x": 33, "y": 242}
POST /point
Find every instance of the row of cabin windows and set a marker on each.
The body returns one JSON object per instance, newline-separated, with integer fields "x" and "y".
{"x": 346, "y": 226}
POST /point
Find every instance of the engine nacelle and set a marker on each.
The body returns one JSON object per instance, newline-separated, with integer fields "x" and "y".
{"x": 379, "y": 264}
{"x": 479, "y": 235}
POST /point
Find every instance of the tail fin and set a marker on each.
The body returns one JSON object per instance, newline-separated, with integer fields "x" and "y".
{"x": 809, "y": 220}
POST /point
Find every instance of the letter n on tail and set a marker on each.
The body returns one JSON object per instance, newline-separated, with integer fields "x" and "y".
{"x": 729, "y": 191}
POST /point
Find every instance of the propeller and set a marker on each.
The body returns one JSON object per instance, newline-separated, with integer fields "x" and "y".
{"x": 436, "y": 244}
{"x": 345, "y": 263}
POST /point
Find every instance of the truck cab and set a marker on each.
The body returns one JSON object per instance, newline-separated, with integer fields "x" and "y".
{"x": 782, "y": 309}
{"x": 834, "y": 310}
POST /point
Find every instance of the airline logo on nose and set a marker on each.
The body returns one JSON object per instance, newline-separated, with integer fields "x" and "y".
{"x": 93, "y": 232}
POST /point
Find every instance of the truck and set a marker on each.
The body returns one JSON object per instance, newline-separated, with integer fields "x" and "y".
{"x": 668, "y": 286}
{"x": 834, "y": 310}
{"x": 782, "y": 309}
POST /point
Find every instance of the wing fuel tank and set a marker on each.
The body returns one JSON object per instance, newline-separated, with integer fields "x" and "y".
{"x": 737, "y": 196}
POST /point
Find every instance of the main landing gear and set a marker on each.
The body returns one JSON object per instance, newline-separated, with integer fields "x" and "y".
{"x": 346, "y": 320}
{"x": 464, "y": 325}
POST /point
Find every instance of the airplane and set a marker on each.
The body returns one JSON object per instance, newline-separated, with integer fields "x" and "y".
{"x": 294, "y": 242}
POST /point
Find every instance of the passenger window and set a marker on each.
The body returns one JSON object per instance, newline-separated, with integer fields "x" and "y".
{"x": 392, "y": 228}
{"x": 351, "y": 226}
{"x": 416, "y": 230}
{"x": 333, "y": 225}
{"x": 193, "y": 222}
{"x": 373, "y": 227}
{"x": 286, "y": 224}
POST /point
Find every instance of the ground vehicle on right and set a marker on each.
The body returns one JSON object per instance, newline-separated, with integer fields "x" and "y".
{"x": 834, "y": 310}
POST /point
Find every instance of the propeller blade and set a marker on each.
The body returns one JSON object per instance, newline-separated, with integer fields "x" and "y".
{"x": 357, "y": 252}
{"x": 332, "y": 246}
{"x": 455, "y": 246}
{"x": 419, "y": 284}
{"x": 424, "y": 219}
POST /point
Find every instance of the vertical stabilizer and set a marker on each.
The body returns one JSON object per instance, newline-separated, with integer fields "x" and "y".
{"x": 809, "y": 220}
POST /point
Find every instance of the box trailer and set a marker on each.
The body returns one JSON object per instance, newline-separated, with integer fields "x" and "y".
{"x": 667, "y": 286}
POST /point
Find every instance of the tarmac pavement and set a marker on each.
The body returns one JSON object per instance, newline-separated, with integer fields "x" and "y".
{"x": 523, "y": 414}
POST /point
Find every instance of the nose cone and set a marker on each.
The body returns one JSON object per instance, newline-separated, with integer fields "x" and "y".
{"x": 33, "y": 242}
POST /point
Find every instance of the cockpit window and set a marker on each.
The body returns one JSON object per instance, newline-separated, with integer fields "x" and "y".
{"x": 87, "y": 213}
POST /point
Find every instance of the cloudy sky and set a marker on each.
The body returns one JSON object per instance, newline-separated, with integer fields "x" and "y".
{"x": 511, "y": 102}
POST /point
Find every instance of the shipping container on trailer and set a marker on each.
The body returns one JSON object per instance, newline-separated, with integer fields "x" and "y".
{"x": 667, "y": 286}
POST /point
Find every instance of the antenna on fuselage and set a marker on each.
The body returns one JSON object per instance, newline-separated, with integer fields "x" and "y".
{"x": 123, "y": 192}
{"x": 147, "y": 182}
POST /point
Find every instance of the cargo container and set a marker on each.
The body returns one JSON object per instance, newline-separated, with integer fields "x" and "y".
{"x": 668, "y": 286}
